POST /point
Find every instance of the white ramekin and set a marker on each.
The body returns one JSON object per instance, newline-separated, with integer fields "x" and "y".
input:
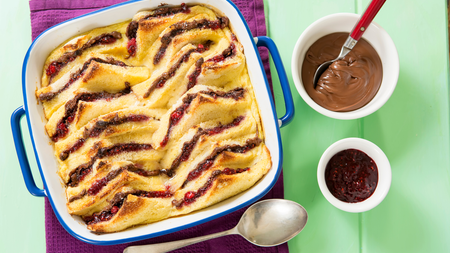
{"x": 375, "y": 35}
{"x": 384, "y": 174}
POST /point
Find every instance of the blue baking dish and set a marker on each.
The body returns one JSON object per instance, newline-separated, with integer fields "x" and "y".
{"x": 43, "y": 149}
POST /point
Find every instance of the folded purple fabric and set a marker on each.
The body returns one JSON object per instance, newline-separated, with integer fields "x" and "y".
{"x": 46, "y": 13}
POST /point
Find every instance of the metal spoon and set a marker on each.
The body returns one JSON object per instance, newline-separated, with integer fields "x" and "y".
{"x": 356, "y": 33}
{"x": 267, "y": 223}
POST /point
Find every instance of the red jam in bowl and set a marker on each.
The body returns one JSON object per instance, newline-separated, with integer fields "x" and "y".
{"x": 351, "y": 176}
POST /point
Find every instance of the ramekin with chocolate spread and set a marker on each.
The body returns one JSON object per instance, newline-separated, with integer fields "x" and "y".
{"x": 348, "y": 84}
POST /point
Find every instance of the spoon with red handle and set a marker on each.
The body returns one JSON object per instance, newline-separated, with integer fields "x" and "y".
{"x": 356, "y": 33}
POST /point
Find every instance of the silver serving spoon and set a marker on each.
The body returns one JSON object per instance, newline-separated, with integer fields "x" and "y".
{"x": 356, "y": 33}
{"x": 267, "y": 223}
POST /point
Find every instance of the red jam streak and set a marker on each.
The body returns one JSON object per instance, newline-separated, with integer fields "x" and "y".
{"x": 133, "y": 26}
{"x": 77, "y": 145}
{"x": 185, "y": 9}
{"x": 181, "y": 27}
{"x": 193, "y": 77}
{"x": 98, "y": 128}
{"x": 351, "y": 176}
{"x": 103, "y": 216}
{"x": 106, "y": 215}
{"x": 162, "y": 79}
{"x": 154, "y": 194}
{"x": 101, "y": 126}
{"x": 131, "y": 47}
{"x": 77, "y": 75}
{"x": 118, "y": 201}
{"x": 62, "y": 128}
{"x": 192, "y": 196}
{"x": 189, "y": 146}
{"x": 176, "y": 115}
{"x": 78, "y": 174}
{"x": 209, "y": 161}
{"x": 227, "y": 53}
{"x": 121, "y": 148}
{"x": 169, "y": 11}
{"x": 55, "y": 66}
{"x": 229, "y": 171}
{"x": 220, "y": 128}
{"x": 98, "y": 185}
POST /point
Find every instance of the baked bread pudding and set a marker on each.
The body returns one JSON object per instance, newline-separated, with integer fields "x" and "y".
{"x": 152, "y": 118}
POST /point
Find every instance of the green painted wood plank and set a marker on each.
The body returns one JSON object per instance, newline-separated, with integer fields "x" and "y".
{"x": 413, "y": 130}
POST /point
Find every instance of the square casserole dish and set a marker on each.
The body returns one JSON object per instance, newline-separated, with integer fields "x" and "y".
{"x": 43, "y": 149}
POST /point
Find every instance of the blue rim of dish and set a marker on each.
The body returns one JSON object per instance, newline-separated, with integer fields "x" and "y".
{"x": 172, "y": 230}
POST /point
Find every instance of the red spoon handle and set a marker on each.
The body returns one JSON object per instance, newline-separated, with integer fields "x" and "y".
{"x": 366, "y": 19}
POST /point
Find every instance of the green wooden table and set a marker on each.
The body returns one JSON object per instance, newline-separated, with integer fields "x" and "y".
{"x": 412, "y": 128}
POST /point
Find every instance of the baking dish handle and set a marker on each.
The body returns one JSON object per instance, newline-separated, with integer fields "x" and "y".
{"x": 22, "y": 155}
{"x": 264, "y": 41}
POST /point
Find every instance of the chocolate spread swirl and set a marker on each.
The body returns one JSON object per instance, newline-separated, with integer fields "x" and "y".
{"x": 77, "y": 75}
{"x": 209, "y": 161}
{"x": 191, "y": 196}
{"x": 98, "y": 128}
{"x": 79, "y": 173}
{"x": 182, "y": 27}
{"x": 348, "y": 84}
{"x": 189, "y": 145}
{"x": 117, "y": 202}
{"x": 55, "y": 66}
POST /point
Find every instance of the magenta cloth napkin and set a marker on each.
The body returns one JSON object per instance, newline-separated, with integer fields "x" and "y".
{"x": 46, "y": 13}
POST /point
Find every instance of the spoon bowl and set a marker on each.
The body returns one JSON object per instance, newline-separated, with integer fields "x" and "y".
{"x": 344, "y": 51}
{"x": 272, "y": 222}
{"x": 266, "y": 223}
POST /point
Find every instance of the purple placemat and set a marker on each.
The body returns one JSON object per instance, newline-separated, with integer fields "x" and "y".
{"x": 46, "y": 13}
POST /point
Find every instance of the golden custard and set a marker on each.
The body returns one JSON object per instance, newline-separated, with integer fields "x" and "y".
{"x": 152, "y": 118}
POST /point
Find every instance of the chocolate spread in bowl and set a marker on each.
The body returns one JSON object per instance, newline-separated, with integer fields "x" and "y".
{"x": 348, "y": 84}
